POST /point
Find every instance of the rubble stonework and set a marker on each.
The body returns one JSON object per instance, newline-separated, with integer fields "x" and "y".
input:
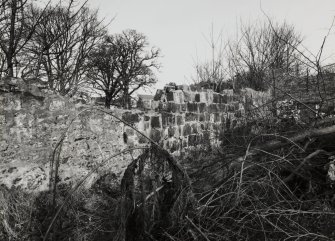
{"x": 178, "y": 120}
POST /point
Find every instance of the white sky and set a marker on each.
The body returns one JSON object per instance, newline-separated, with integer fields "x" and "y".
{"x": 178, "y": 27}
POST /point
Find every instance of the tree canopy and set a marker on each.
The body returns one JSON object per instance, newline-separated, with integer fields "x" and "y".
{"x": 122, "y": 64}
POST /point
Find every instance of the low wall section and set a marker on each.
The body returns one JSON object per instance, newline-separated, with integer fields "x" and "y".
{"x": 31, "y": 126}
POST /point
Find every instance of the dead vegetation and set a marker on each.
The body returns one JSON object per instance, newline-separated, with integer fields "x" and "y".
{"x": 272, "y": 179}
{"x": 269, "y": 185}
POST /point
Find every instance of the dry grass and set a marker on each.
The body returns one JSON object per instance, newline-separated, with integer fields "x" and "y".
{"x": 220, "y": 199}
{"x": 88, "y": 215}
{"x": 16, "y": 214}
{"x": 235, "y": 192}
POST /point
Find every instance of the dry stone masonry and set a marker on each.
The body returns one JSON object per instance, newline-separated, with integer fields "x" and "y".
{"x": 178, "y": 119}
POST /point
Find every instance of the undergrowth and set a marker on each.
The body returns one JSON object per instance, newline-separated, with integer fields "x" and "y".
{"x": 88, "y": 215}
{"x": 242, "y": 190}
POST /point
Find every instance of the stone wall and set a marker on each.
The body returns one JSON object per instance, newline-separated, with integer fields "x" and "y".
{"x": 308, "y": 93}
{"x": 308, "y": 89}
{"x": 178, "y": 120}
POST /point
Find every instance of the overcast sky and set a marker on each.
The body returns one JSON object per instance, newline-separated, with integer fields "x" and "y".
{"x": 178, "y": 27}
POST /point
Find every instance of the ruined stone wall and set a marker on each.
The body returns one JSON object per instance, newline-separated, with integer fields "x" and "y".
{"x": 308, "y": 93}
{"x": 187, "y": 118}
{"x": 31, "y": 126}
{"x": 308, "y": 89}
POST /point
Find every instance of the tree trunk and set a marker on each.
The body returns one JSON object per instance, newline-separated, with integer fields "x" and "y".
{"x": 274, "y": 96}
{"x": 10, "y": 66}
{"x": 108, "y": 100}
{"x": 11, "y": 49}
{"x": 126, "y": 99}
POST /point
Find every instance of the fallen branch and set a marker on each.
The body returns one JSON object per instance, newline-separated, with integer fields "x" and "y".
{"x": 198, "y": 229}
{"x": 312, "y": 133}
{"x": 310, "y": 156}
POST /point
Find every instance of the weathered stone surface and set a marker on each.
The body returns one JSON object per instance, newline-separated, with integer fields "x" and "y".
{"x": 155, "y": 135}
{"x": 130, "y": 117}
{"x": 202, "y": 107}
{"x": 168, "y": 119}
{"x": 31, "y": 127}
{"x": 187, "y": 130}
{"x": 180, "y": 120}
{"x": 216, "y": 98}
{"x": 201, "y": 117}
{"x": 192, "y": 107}
{"x": 169, "y": 96}
{"x": 171, "y": 131}
{"x": 197, "y": 97}
{"x": 155, "y": 122}
{"x": 191, "y": 117}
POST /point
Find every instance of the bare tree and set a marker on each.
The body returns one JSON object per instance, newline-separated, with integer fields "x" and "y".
{"x": 15, "y": 30}
{"x": 212, "y": 72}
{"x": 259, "y": 53}
{"x": 2, "y": 63}
{"x": 122, "y": 64}
{"x": 61, "y": 45}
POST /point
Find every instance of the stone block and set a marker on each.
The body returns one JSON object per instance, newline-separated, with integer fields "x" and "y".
{"x": 183, "y": 107}
{"x": 206, "y": 137}
{"x": 155, "y": 135}
{"x": 168, "y": 119}
{"x": 236, "y": 105}
{"x": 147, "y": 125}
{"x": 180, "y": 120}
{"x": 201, "y": 117}
{"x": 203, "y": 97}
{"x": 193, "y": 140}
{"x": 217, "y": 117}
{"x": 155, "y": 122}
{"x": 216, "y": 98}
{"x": 238, "y": 114}
{"x": 191, "y": 117}
{"x": 172, "y": 107}
{"x": 130, "y": 117}
{"x": 212, "y": 108}
{"x": 195, "y": 128}
{"x": 187, "y": 96}
{"x": 174, "y": 145}
{"x": 207, "y": 117}
{"x": 228, "y": 122}
{"x": 169, "y": 96}
{"x": 223, "y": 118}
{"x": 222, "y": 107}
{"x": 211, "y": 117}
{"x": 202, "y": 107}
{"x": 210, "y": 96}
{"x": 159, "y": 106}
{"x": 192, "y": 107}
{"x": 171, "y": 131}
{"x": 197, "y": 97}
{"x": 177, "y": 131}
{"x": 184, "y": 143}
{"x": 231, "y": 108}
{"x": 193, "y": 96}
{"x": 187, "y": 130}
{"x": 224, "y": 99}
{"x": 178, "y": 96}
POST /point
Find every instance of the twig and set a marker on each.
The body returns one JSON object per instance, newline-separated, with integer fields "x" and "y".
{"x": 80, "y": 183}
{"x": 310, "y": 156}
{"x": 198, "y": 229}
